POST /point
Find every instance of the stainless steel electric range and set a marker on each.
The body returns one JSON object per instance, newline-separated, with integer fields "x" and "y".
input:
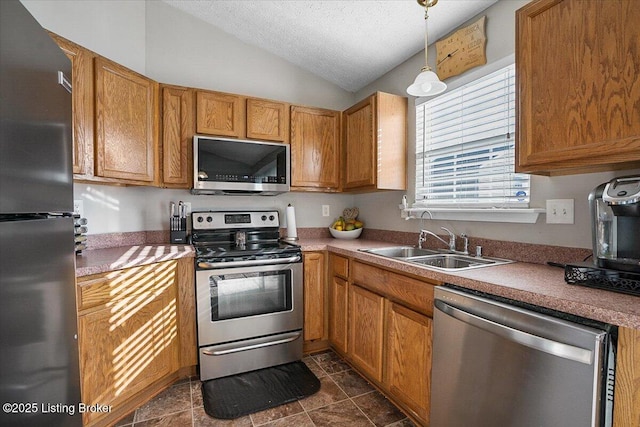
{"x": 248, "y": 292}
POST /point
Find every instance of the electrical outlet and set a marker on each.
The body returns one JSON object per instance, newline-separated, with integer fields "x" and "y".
{"x": 560, "y": 211}
{"x": 78, "y": 207}
{"x": 325, "y": 210}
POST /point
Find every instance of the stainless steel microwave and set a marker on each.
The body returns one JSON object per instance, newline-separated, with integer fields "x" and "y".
{"x": 234, "y": 166}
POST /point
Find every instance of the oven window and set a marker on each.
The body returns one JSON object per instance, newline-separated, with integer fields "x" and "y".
{"x": 249, "y": 294}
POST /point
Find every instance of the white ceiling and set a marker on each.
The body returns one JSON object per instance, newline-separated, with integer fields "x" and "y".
{"x": 350, "y": 43}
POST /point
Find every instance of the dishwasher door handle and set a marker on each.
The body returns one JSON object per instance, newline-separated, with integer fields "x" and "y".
{"x": 554, "y": 348}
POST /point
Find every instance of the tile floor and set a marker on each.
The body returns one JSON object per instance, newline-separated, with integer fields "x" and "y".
{"x": 344, "y": 399}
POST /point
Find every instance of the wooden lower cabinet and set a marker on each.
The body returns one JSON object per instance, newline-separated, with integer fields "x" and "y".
{"x": 315, "y": 308}
{"x": 626, "y": 411}
{"x": 136, "y": 330}
{"x": 408, "y": 354}
{"x": 380, "y": 322}
{"x": 366, "y": 330}
{"x": 338, "y": 309}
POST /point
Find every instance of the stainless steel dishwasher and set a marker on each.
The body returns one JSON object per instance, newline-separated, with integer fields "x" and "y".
{"x": 498, "y": 365}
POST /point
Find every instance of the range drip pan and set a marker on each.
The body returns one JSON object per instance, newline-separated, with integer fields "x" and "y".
{"x": 602, "y": 278}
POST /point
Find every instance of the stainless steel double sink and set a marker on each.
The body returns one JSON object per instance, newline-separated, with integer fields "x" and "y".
{"x": 439, "y": 260}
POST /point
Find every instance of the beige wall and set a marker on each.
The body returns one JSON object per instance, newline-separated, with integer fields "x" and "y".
{"x": 170, "y": 46}
{"x": 173, "y": 47}
{"x": 381, "y": 210}
{"x": 113, "y": 28}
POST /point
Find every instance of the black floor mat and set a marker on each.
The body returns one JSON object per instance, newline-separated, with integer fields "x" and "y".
{"x": 238, "y": 395}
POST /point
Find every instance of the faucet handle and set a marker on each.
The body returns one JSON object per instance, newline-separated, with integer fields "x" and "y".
{"x": 448, "y": 231}
{"x": 465, "y": 239}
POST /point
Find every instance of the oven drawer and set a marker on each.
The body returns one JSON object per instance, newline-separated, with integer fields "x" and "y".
{"x": 248, "y": 355}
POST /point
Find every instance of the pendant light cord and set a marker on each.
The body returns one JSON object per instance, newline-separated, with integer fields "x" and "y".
{"x": 426, "y": 36}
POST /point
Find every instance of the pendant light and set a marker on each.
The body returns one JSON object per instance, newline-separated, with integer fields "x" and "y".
{"x": 427, "y": 82}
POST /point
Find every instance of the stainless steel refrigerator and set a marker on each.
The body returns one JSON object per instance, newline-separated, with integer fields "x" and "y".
{"x": 39, "y": 373}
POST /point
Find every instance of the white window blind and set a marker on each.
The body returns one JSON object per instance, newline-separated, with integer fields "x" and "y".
{"x": 465, "y": 146}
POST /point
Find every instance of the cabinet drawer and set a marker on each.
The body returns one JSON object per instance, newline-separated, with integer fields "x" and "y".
{"x": 340, "y": 266}
{"x": 405, "y": 290}
{"x": 102, "y": 288}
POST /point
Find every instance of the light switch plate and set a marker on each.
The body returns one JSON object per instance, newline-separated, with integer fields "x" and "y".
{"x": 560, "y": 211}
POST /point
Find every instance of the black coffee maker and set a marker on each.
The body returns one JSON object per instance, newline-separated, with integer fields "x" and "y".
{"x": 615, "y": 219}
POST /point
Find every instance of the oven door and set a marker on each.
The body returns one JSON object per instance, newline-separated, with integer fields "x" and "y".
{"x": 246, "y": 302}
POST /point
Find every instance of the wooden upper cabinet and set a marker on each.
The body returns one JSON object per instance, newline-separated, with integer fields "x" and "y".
{"x": 178, "y": 128}
{"x": 267, "y": 120}
{"x": 578, "y": 85}
{"x": 315, "y": 148}
{"x": 126, "y": 124}
{"x": 82, "y": 100}
{"x": 375, "y": 143}
{"x": 360, "y": 141}
{"x": 220, "y": 114}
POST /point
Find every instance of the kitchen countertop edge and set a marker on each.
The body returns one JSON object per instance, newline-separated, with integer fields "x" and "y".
{"x": 96, "y": 261}
{"x": 535, "y": 284}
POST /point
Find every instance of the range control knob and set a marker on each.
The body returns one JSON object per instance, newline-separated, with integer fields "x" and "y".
{"x": 271, "y": 217}
{"x": 263, "y": 217}
{"x": 209, "y": 219}
{"x": 200, "y": 219}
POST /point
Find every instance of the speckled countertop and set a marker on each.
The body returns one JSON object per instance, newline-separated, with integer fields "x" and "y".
{"x": 96, "y": 261}
{"x": 532, "y": 283}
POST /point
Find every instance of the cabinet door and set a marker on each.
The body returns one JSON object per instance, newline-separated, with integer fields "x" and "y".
{"x": 338, "y": 314}
{"x": 123, "y": 350}
{"x": 126, "y": 123}
{"x": 315, "y": 148}
{"x": 220, "y": 114}
{"x": 267, "y": 120}
{"x": 314, "y": 296}
{"x": 180, "y": 272}
{"x": 366, "y": 316}
{"x": 586, "y": 115}
{"x": 82, "y": 100}
{"x": 360, "y": 145}
{"x": 408, "y": 373}
{"x": 178, "y": 127}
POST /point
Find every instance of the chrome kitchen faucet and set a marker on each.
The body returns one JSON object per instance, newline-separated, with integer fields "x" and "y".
{"x": 452, "y": 238}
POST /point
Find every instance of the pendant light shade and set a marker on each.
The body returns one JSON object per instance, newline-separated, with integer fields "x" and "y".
{"x": 427, "y": 82}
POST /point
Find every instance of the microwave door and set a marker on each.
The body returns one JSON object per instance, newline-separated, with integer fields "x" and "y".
{"x": 226, "y": 166}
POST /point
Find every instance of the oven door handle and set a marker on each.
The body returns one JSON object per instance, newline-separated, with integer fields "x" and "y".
{"x": 292, "y": 337}
{"x": 249, "y": 263}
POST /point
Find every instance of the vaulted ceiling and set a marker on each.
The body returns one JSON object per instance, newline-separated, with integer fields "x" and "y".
{"x": 349, "y": 43}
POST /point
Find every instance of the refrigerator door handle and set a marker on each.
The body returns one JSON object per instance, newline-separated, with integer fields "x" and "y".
{"x": 64, "y": 82}
{"x": 554, "y": 348}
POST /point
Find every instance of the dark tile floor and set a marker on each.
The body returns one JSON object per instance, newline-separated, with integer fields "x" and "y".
{"x": 344, "y": 399}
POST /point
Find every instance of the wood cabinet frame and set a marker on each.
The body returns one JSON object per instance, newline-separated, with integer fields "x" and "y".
{"x": 375, "y": 144}
{"x": 178, "y": 128}
{"x": 578, "y": 82}
{"x": 136, "y": 335}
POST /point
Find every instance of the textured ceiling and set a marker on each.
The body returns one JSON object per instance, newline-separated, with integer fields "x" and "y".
{"x": 349, "y": 43}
